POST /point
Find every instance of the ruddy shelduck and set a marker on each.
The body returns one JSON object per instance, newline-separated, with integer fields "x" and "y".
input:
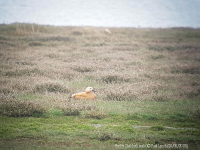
{"x": 87, "y": 95}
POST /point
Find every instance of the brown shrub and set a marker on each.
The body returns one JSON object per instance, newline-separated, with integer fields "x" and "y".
{"x": 186, "y": 70}
{"x": 126, "y": 96}
{"x": 23, "y": 72}
{"x": 74, "y": 108}
{"x": 83, "y": 69}
{"x": 96, "y": 115}
{"x": 50, "y": 87}
{"x": 77, "y": 33}
{"x": 15, "y": 108}
{"x": 109, "y": 79}
{"x": 35, "y": 44}
{"x": 55, "y": 38}
{"x": 70, "y": 111}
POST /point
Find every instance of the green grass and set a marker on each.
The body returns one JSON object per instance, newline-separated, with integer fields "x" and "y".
{"x": 146, "y": 80}
{"x": 60, "y": 131}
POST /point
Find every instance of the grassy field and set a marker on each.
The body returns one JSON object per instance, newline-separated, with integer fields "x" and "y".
{"x": 147, "y": 83}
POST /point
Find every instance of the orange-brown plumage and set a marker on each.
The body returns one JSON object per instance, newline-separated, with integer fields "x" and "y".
{"x": 87, "y": 95}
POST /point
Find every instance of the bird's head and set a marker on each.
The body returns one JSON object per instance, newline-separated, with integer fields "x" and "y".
{"x": 89, "y": 89}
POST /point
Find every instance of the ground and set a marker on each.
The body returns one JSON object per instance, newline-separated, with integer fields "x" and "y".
{"x": 146, "y": 80}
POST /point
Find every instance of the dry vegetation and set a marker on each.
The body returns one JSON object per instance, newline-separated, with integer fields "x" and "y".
{"x": 44, "y": 65}
{"x": 128, "y": 64}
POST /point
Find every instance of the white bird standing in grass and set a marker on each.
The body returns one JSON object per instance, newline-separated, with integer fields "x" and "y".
{"x": 87, "y": 95}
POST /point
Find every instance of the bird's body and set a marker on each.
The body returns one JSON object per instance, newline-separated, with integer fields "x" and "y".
{"x": 87, "y": 95}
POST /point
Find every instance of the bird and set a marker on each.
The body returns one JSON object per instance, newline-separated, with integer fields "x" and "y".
{"x": 87, "y": 95}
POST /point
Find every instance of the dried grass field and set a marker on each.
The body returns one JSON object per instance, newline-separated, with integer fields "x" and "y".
{"x": 146, "y": 81}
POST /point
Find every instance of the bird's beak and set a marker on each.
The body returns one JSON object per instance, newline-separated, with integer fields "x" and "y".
{"x": 93, "y": 91}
